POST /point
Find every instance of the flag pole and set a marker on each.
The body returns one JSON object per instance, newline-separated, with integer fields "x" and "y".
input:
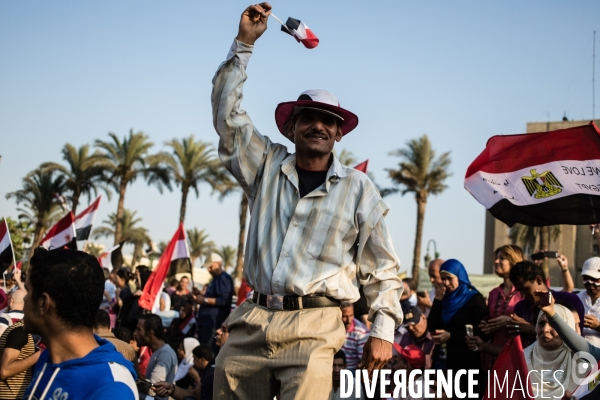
{"x": 282, "y": 24}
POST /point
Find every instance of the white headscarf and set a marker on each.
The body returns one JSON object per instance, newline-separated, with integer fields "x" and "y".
{"x": 553, "y": 362}
{"x": 187, "y": 362}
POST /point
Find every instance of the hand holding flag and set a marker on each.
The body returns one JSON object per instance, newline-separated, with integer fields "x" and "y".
{"x": 253, "y": 23}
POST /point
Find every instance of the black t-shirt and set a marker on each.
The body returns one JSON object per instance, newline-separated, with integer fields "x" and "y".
{"x": 16, "y": 339}
{"x": 309, "y": 180}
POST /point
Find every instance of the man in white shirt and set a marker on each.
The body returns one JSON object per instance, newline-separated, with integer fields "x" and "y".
{"x": 590, "y": 299}
{"x": 317, "y": 230}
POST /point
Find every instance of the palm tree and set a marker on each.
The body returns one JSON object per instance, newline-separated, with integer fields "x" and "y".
{"x": 37, "y": 195}
{"x": 199, "y": 244}
{"x": 21, "y": 234}
{"x": 346, "y": 158}
{"x": 227, "y": 253}
{"x": 528, "y": 236}
{"x": 125, "y": 161}
{"x": 83, "y": 173}
{"x": 192, "y": 162}
{"x": 420, "y": 173}
{"x": 132, "y": 232}
{"x": 94, "y": 249}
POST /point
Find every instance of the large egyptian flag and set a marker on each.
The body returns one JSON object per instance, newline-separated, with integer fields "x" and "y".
{"x": 85, "y": 220}
{"x": 62, "y": 234}
{"x": 540, "y": 179}
{"x": 6, "y": 249}
{"x": 509, "y": 365}
{"x": 175, "y": 259}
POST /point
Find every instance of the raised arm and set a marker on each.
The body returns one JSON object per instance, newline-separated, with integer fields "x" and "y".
{"x": 242, "y": 148}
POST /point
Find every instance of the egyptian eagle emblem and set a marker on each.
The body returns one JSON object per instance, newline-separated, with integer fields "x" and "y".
{"x": 541, "y": 186}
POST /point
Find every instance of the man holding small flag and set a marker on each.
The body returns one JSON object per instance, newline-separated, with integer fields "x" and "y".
{"x": 317, "y": 231}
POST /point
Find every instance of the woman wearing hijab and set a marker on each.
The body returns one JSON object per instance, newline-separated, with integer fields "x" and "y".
{"x": 182, "y": 378}
{"x": 457, "y": 304}
{"x": 549, "y": 359}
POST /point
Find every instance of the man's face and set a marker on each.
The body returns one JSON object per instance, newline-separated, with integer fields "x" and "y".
{"x": 184, "y": 283}
{"x": 315, "y": 132}
{"x": 347, "y": 316}
{"x": 406, "y": 293}
{"x": 434, "y": 274}
{"x": 419, "y": 329}
{"x": 590, "y": 286}
{"x": 199, "y": 363}
{"x": 140, "y": 334}
{"x": 30, "y": 310}
{"x": 527, "y": 289}
{"x": 221, "y": 335}
{"x": 213, "y": 268}
{"x": 338, "y": 365}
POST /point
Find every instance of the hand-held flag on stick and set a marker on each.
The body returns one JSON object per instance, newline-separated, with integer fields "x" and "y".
{"x": 300, "y": 31}
{"x": 61, "y": 234}
{"x": 85, "y": 220}
{"x": 175, "y": 259}
{"x": 7, "y": 255}
{"x": 362, "y": 167}
{"x": 106, "y": 259}
{"x": 540, "y": 179}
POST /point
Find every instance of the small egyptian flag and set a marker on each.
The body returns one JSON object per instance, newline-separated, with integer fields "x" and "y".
{"x": 62, "y": 234}
{"x": 6, "y": 249}
{"x": 85, "y": 220}
{"x": 301, "y": 32}
{"x": 362, "y": 167}
{"x": 106, "y": 259}
{"x": 540, "y": 179}
{"x": 589, "y": 389}
{"x": 175, "y": 259}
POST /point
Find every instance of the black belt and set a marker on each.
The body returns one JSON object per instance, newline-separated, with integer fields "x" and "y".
{"x": 293, "y": 303}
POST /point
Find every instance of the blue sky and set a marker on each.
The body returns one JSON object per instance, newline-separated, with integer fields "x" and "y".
{"x": 459, "y": 71}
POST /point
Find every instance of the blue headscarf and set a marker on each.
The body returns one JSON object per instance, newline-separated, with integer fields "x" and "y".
{"x": 454, "y": 301}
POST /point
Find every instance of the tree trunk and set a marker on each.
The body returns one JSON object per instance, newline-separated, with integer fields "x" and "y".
{"x": 75, "y": 202}
{"x": 544, "y": 244}
{"x": 239, "y": 265}
{"x": 184, "y": 194}
{"x": 120, "y": 208}
{"x": 421, "y": 203}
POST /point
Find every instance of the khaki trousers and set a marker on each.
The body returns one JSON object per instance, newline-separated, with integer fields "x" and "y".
{"x": 270, "y": 352}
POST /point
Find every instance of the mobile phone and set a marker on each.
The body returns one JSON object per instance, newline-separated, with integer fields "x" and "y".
{"x": 469, "y": 329}
{"x": 421, "y": 293}
{"x": 143, "y": 386}
{"x": 545, "y": 299}
{"x": 544, "y": 254}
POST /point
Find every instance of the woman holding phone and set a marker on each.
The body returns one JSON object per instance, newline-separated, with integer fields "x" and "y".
{"x": 457, "y": 304}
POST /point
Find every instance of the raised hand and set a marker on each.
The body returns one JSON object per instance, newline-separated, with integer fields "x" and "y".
{"x": 253, "y": 22}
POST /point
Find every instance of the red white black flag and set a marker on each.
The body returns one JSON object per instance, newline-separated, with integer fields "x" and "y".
{"x": 62, "y": 234}
{"x": 301, "y": 32}
{"x": 540, "y": 179}
{"x": 175, "y": 259}
{"x": 6, "y": 249}
{"x": 106, "y": 259}
{"x": 362, "y": 167}
{"x": 85, "y": 220}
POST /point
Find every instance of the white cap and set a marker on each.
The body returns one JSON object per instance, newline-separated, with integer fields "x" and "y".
{"x": 591, "y": 267}
{"x": 213, "y": 257}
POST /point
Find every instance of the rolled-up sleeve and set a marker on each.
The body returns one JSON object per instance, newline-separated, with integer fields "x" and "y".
{"x": 378, "y": 272}
{"x": 242, "y": 149}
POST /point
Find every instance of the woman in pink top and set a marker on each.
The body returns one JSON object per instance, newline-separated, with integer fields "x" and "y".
{"x": 501, "y": 303}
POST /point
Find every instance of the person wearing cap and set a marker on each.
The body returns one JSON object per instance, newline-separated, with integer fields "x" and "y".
{"x": 317, "y": 231}
{"x": 407, "y": 358}
{"x": 590, "y": 299}
{"x": 414, "y": 332}
{"x": 215, "y": 302}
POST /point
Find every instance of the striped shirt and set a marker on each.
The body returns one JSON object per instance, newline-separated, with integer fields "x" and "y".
{"x": 14, "y": 387}
{"x": 323, "y": 243}
{"x": 356, "y": 337}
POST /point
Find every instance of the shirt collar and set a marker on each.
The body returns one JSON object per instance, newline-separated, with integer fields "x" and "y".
{"x": 335, "y": 172}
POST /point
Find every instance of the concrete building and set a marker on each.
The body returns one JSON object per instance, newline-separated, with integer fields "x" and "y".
{"x": 575, "y": 242}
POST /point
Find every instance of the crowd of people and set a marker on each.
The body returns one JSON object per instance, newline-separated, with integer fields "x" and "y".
{"x": 456, "y": 327}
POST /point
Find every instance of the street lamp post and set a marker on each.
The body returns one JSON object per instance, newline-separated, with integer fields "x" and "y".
{"x": 435, "y": 252}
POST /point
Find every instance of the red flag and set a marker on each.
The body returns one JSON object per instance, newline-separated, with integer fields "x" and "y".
{"x": 510, "y": 364}
{"x": 61, "y": 234}
{"x": 19, "y": 265}
{"x": 175, "y": 254}
{"x": 362, "y": 167}
{"x": 540, "y": 179}
{"x": 301, "y": 32}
